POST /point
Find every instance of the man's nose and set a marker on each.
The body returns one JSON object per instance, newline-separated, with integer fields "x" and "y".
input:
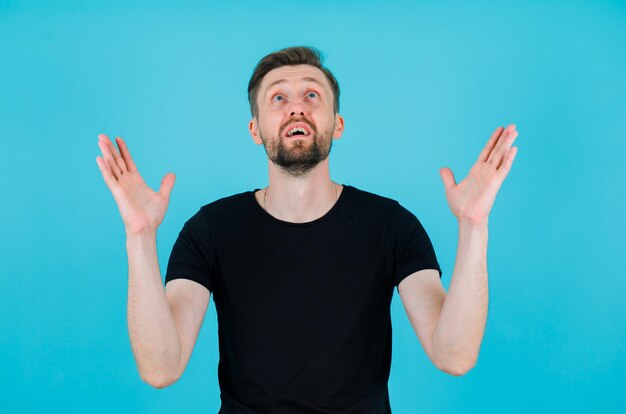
{"x": 296, "y": 106}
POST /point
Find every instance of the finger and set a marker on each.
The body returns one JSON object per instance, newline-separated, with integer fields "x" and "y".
{"x": 130, "y": 164}
{"x": 109, "y": 179}
{"x": 495, "y": 155}
{"x": 504, "y": 149}
{"x": 490, "y": 144}
{"x": 117, "y": 157}
{"x": 494, "y": 152}
{"x": 108, "y": 158}
{"x": 167, "y": 184}
{"x": 447, "y": 176}
{"x": 508, "y": 162}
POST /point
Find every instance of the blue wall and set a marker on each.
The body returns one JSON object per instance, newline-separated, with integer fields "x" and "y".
{"x": 423, "y": 87}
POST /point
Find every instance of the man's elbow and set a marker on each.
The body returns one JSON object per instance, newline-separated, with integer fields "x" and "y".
{"x": 457, "y": 371}
{"x": 159, "y": 381}
{"x": 457, "y": 366}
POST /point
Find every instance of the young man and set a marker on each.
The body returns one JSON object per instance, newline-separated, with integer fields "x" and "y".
{"x": 302, "y": 272}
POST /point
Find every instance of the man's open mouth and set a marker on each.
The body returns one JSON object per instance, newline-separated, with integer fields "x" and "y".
{"x": 298, "y": 130}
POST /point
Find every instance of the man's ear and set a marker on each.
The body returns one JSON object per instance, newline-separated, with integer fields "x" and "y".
{"x": 338, "y": 126}
{"x": 254, "y": 131}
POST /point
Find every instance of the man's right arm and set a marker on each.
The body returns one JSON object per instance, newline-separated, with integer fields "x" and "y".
{"x": 163, "y": 324}
{"x": 153, "y": 336}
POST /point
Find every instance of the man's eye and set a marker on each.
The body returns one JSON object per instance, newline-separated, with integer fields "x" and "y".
{"x": 275, "y": 98}
{"x": 312, "y": 93}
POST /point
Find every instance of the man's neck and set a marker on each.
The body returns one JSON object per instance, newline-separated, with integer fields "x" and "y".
{"x": 299, "y": 199}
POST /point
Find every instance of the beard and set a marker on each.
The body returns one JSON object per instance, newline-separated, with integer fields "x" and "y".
{"x": 298, "y": 157}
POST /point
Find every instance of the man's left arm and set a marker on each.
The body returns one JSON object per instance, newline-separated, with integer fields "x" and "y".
{"x": 451, "y": 326}
{"x": 459, "y": 330}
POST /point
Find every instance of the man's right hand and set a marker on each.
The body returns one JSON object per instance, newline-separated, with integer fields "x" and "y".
{"x": 141, "y": 208}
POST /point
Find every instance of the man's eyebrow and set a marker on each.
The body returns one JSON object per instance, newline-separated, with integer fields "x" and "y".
{"x": 283, "y": 80}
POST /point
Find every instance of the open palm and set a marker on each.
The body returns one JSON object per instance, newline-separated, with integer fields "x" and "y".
{"x": 473, "y": 198}
{"x": 141, "y": 208}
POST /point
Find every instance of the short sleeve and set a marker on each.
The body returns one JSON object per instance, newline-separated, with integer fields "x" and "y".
{"x": 192, "y": 253}
{"x": 412, "y": 248}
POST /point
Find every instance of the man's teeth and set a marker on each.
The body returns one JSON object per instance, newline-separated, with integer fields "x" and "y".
{"x": 293, "y": 130}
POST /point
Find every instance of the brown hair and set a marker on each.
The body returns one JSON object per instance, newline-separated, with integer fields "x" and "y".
{"x": 296, "y": 55}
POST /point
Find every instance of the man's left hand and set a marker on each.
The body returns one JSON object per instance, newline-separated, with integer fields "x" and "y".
{"x": 471, "y": 200}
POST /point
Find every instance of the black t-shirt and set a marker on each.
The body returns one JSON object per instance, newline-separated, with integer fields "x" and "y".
{"x": 303, "y": 309}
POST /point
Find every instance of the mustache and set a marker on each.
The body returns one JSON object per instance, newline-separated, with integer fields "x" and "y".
{"x": 294, "y": 120}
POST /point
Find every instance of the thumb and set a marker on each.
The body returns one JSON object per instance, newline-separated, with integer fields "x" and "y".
{"x": 448, "y": 177}
{"x": 167, "y": 184}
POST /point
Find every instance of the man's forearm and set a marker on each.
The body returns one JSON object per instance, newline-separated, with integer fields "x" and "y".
{"x": 459, "y": 330}
{"x": 153, "y": 335}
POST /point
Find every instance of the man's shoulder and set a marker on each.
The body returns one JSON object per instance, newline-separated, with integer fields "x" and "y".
{"x": 221, "y": 207}
{"x": 235, "y": 204}
{"x": 234, "y": 200}
{"x": 369, "y": 198}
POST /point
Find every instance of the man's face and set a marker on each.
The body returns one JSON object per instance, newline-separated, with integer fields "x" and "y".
{"x": 291, "y": 97}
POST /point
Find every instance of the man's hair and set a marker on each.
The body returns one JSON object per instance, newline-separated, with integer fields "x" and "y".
{"x": 296, "y": 55}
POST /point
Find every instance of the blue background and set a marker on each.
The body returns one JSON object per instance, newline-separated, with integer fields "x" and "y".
{"x": 423, "y": 86}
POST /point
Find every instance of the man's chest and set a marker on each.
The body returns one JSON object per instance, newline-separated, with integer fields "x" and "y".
{"x": 302, "y": 286}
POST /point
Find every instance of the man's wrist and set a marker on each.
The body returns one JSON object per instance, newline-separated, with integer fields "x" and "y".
{"x": 147, "y": 234}
{"x": 467, "y": 225}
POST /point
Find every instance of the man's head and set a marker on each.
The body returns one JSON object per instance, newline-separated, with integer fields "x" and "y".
{"x": 291, "y": 88}
{"x": 291, "y": 56}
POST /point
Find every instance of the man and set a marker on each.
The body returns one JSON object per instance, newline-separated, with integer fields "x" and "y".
{"x": 302, "y": 272}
